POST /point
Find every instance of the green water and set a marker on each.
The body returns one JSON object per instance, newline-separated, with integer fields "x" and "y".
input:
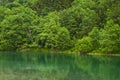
{"x": 43, "y": 66}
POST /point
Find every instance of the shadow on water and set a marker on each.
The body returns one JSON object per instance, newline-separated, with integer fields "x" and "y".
{"x": 45, "y": 66}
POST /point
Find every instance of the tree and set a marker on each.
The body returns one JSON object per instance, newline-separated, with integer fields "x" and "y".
{"x": 95, "y": 37}
{"x": 43, "y": 7}
{"x": 17, "y": 28}
{"x": 53, "y": 35}
{"x": 4, "y": 12}
{"x": 80, "y": 18}
{"x": 83, "y": 45}
{"x": 4, "y": 2}
{"x": 113, "y": 12}
{"x": 109, "y": 41}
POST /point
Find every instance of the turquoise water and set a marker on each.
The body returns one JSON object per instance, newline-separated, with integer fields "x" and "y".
{"x": 44, "y": 66}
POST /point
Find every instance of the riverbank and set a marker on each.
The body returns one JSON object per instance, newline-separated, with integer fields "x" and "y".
{"x": 53, "y": 51}
{"x": 61, "y": 52}
{"x": 101, "y": 54}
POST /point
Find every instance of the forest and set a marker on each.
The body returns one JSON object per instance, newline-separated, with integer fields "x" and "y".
{"x": 84, "y": 26}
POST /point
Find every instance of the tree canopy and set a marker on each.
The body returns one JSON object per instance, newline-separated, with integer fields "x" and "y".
{"x": 75, "y": 25}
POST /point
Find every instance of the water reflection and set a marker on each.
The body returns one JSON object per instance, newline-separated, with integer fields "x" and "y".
{"x": 45, "y": 66}
{"x": 99, "y": 67}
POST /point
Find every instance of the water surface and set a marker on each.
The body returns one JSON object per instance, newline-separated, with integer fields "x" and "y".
{"x": 45, "y": 66}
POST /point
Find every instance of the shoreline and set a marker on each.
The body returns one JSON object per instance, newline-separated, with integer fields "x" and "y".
{"x": 98, "y": 54}
{"x": 65, "y": 52}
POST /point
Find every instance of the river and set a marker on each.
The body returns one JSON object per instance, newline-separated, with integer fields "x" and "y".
{"x": 46, "y": 66}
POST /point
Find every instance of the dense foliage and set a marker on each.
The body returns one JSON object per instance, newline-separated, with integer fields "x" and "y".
{"x": 74, "y": 25}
